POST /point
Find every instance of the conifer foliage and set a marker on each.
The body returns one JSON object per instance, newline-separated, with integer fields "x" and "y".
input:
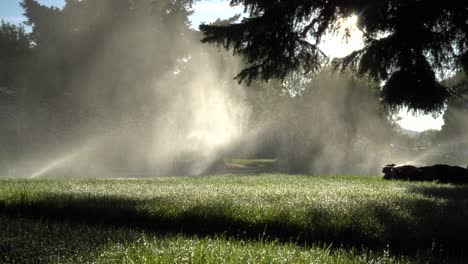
{"x": 406, "y": 42}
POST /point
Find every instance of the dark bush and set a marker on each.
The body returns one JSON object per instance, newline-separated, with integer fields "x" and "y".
{"x": 440, "y": 172}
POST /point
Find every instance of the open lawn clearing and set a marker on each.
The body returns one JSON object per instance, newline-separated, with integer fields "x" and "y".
{"x": 349, "y": 211}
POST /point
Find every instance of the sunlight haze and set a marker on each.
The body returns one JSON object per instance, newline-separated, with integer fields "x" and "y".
{"x": 335, "y": 45}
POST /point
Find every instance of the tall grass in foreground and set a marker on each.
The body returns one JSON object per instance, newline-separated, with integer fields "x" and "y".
{"x": 28, "y": 241}
{"x": 343, "y": 211}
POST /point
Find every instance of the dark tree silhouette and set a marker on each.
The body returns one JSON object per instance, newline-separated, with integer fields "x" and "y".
{"x": 14, "y": 47}
{"x": 406, "y": 42}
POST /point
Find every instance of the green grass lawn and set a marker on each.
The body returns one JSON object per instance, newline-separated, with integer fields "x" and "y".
{"x": 31, "y": 241}
{"x": 257, "y": 218}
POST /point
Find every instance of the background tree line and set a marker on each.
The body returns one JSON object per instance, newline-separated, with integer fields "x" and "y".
{"x": 87, "y": 67}
{"x": 94, "y": 64}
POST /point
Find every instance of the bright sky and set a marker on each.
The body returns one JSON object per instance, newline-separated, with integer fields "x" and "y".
{"x": 209, "y": 10}
{"x": 420, "y": 123}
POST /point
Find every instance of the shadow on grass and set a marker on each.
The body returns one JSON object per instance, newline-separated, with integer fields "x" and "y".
{"x": 421, "y": 225}
{"x": 42, "y": 240}
{"x": 113, "y": 211}
{"x": 450, "y": 192}
{"x": 436, "y": 221}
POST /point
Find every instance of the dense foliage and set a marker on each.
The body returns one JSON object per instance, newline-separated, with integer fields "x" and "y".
{"x": 14, "y": 48}
{"x": 406, "y": 42}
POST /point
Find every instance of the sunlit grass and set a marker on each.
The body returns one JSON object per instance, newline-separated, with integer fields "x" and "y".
{"x": 342, "y": 211}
